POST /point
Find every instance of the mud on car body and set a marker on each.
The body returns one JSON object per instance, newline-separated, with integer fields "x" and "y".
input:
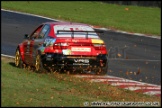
{"x": 63, "y": 46}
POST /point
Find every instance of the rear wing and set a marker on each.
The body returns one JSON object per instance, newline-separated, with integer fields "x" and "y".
{"x": 72, "y": 32}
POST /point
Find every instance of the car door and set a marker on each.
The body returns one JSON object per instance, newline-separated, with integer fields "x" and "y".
{"x": 39, "y": 41}
{"x": 28, "y": 45}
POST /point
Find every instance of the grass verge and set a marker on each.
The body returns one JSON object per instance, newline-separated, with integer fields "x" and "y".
{"x": 144, "y": 20}
{"x": 22, "y": 87}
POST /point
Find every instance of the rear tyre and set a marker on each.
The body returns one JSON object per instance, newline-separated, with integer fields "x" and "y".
{"x": 39, "y": 65}
{"x": 18, "y": 59}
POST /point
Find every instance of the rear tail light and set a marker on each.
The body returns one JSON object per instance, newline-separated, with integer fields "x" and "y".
{"x": 99, "y": 46}
{"x": 60, "y": 45}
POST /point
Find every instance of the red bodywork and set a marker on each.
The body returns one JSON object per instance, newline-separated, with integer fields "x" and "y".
{"x": 46, "y": 40}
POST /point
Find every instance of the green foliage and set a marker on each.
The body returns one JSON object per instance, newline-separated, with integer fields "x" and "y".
{"x": 21, "y": 87}
{"x": 128, "y": 18}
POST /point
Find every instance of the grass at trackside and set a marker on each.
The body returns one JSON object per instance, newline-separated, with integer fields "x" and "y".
{"x": 128, "y": 18}
{"x": 21, "y": 87}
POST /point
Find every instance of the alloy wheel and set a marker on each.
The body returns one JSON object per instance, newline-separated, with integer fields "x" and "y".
{"x": 17, "y": 58}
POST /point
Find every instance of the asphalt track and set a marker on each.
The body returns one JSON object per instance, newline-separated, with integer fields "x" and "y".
{"x": 136, "y": 58}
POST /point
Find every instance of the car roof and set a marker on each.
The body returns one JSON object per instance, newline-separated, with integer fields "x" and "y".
{"x": 64, "y": 23}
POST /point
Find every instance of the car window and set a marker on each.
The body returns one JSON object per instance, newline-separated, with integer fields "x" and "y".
{"x": 44, "y": 31}
{"x": 34, "y": 35}
{"x": 73, "y": 28}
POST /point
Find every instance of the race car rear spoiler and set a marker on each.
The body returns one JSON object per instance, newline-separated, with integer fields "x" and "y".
{"x": 72, "y": 32}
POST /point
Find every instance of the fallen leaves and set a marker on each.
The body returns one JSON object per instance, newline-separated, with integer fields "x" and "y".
{"x": 51, "y": 97}
{"x": 117, "y": 93}
{"x": 98, "y": 88}
{"x": 120, "y": 71}
{"x": 110, "y": 71}
{"x": 127, "y": 73}
{"x": 14, "y": 94}
{"x": 59, "y": 16}
{"x": 146, "y": 62}
{"x": 154, "y": 67}
{"x": 72, "y": 90}
{"x": 30, "y": 99}
{"x": 68, "y": 72}
{"x": 138, "y": 71}
{"x": 134, "y": 73}
{"x": 17, "y": 103}
{"x": 53, "y": 88}
{"x": 119, "y": 55}
{"x": 127, "y": 9}
{"x": 64, "y": 79}
{"x": 29, "y": 82}
{"x": 70, "y": 80}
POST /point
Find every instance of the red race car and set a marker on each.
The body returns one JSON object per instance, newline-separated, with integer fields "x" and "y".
{"x": 63, "y": 46}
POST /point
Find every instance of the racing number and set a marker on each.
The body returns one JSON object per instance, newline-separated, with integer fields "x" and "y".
{"x": 72, "y": 29}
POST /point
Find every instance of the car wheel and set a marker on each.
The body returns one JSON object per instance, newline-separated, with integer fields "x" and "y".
{"x": 38, "y": 64}
{"x": 18, "y": 59}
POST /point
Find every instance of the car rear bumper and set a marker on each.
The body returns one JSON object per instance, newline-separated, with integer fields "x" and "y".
{"x": 75, "y": 61}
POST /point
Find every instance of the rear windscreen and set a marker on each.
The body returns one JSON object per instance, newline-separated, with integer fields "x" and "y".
{"x": 74, "y": 28}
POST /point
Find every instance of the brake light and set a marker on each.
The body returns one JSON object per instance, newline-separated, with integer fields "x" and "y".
{"x": 99, "y": 46}
{"x": 60, "y": 45}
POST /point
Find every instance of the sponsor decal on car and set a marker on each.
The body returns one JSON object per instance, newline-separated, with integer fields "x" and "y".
{"x": 66, "y": 52}
{"x": 41, "y": 49}
{"x": 97, "y": 41}
{"x": 81, "y": 60}
{"x": 49, "y": 41}
{"x": 81, "y": 49}
{"x": 71, "y": 27}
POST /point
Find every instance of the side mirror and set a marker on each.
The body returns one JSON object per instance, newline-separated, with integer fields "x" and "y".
{"x": 26, "y": 36}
